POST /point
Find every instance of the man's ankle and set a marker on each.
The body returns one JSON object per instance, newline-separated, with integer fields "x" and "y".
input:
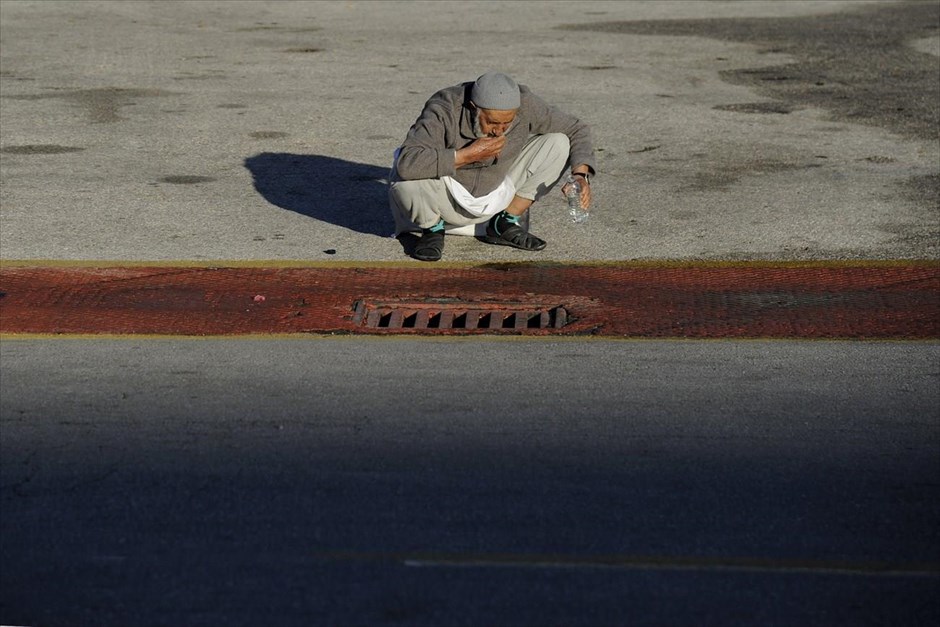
{"x": 436, "y": 228}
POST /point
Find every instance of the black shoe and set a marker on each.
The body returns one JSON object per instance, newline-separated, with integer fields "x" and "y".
{"x": 431, "y": 245}
{"x": 506, "y": 232}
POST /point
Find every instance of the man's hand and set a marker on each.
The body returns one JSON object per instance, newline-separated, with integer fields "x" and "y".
{"x": 482, "y": 149}
{"x": 585, "y": 190}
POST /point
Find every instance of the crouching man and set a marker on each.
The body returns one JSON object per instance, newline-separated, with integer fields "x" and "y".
{"x": 484, "y": 151}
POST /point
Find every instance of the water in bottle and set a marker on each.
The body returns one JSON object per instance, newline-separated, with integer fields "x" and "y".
{"x": 578, "y": 213}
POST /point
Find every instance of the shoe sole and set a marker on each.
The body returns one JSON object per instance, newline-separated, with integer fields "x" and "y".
{"x": 501, "y": 242}
{"x": 424, "y": 258}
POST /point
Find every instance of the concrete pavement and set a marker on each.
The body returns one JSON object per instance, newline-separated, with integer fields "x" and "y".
{"x": 245, "y": 130}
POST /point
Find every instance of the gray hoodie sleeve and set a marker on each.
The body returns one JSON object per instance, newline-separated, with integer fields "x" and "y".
{"x": 550, "y": 119}
{"x": 425, "y": 153}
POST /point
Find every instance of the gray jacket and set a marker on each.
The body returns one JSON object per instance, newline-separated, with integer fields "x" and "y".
{"x": 446, "y": 124}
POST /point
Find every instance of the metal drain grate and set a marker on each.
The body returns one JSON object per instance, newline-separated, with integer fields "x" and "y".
{"x": 459, "y": 315}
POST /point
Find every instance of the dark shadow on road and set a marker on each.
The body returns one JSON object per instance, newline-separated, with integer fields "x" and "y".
{"x": 266, "y": 485}
{"x": 348, "y": 194}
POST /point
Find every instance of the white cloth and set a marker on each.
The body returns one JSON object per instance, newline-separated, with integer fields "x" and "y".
{"x": 423, "y": 202}
{"x": 484, "y": 206}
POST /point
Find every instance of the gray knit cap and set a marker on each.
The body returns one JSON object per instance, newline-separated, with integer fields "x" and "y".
{"x": 495, "y": 91}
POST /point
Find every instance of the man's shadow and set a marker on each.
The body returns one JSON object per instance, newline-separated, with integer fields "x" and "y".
{"x": 345, "y": 193}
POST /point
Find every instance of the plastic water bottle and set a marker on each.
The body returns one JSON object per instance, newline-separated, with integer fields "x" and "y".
{"x": 575, "y": 210}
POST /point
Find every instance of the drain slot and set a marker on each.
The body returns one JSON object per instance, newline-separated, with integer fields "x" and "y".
{"x": 454, "y": 315}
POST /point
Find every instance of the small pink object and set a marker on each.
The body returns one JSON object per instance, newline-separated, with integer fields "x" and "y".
{"x": 259, "y": 298}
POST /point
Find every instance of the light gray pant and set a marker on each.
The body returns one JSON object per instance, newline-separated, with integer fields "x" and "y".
{"x": 422, "y": 203}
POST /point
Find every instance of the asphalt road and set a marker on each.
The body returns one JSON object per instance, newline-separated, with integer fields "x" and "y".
{"x": 357, "y": 481}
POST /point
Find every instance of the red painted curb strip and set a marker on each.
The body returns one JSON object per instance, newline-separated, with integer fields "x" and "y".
{"x": 717, "y": 301}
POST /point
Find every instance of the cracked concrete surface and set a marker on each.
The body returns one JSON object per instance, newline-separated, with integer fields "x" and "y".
{"x": 228, "y": 130}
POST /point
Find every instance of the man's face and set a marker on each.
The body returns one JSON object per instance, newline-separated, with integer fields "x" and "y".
{"x": 494, "y": 122}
